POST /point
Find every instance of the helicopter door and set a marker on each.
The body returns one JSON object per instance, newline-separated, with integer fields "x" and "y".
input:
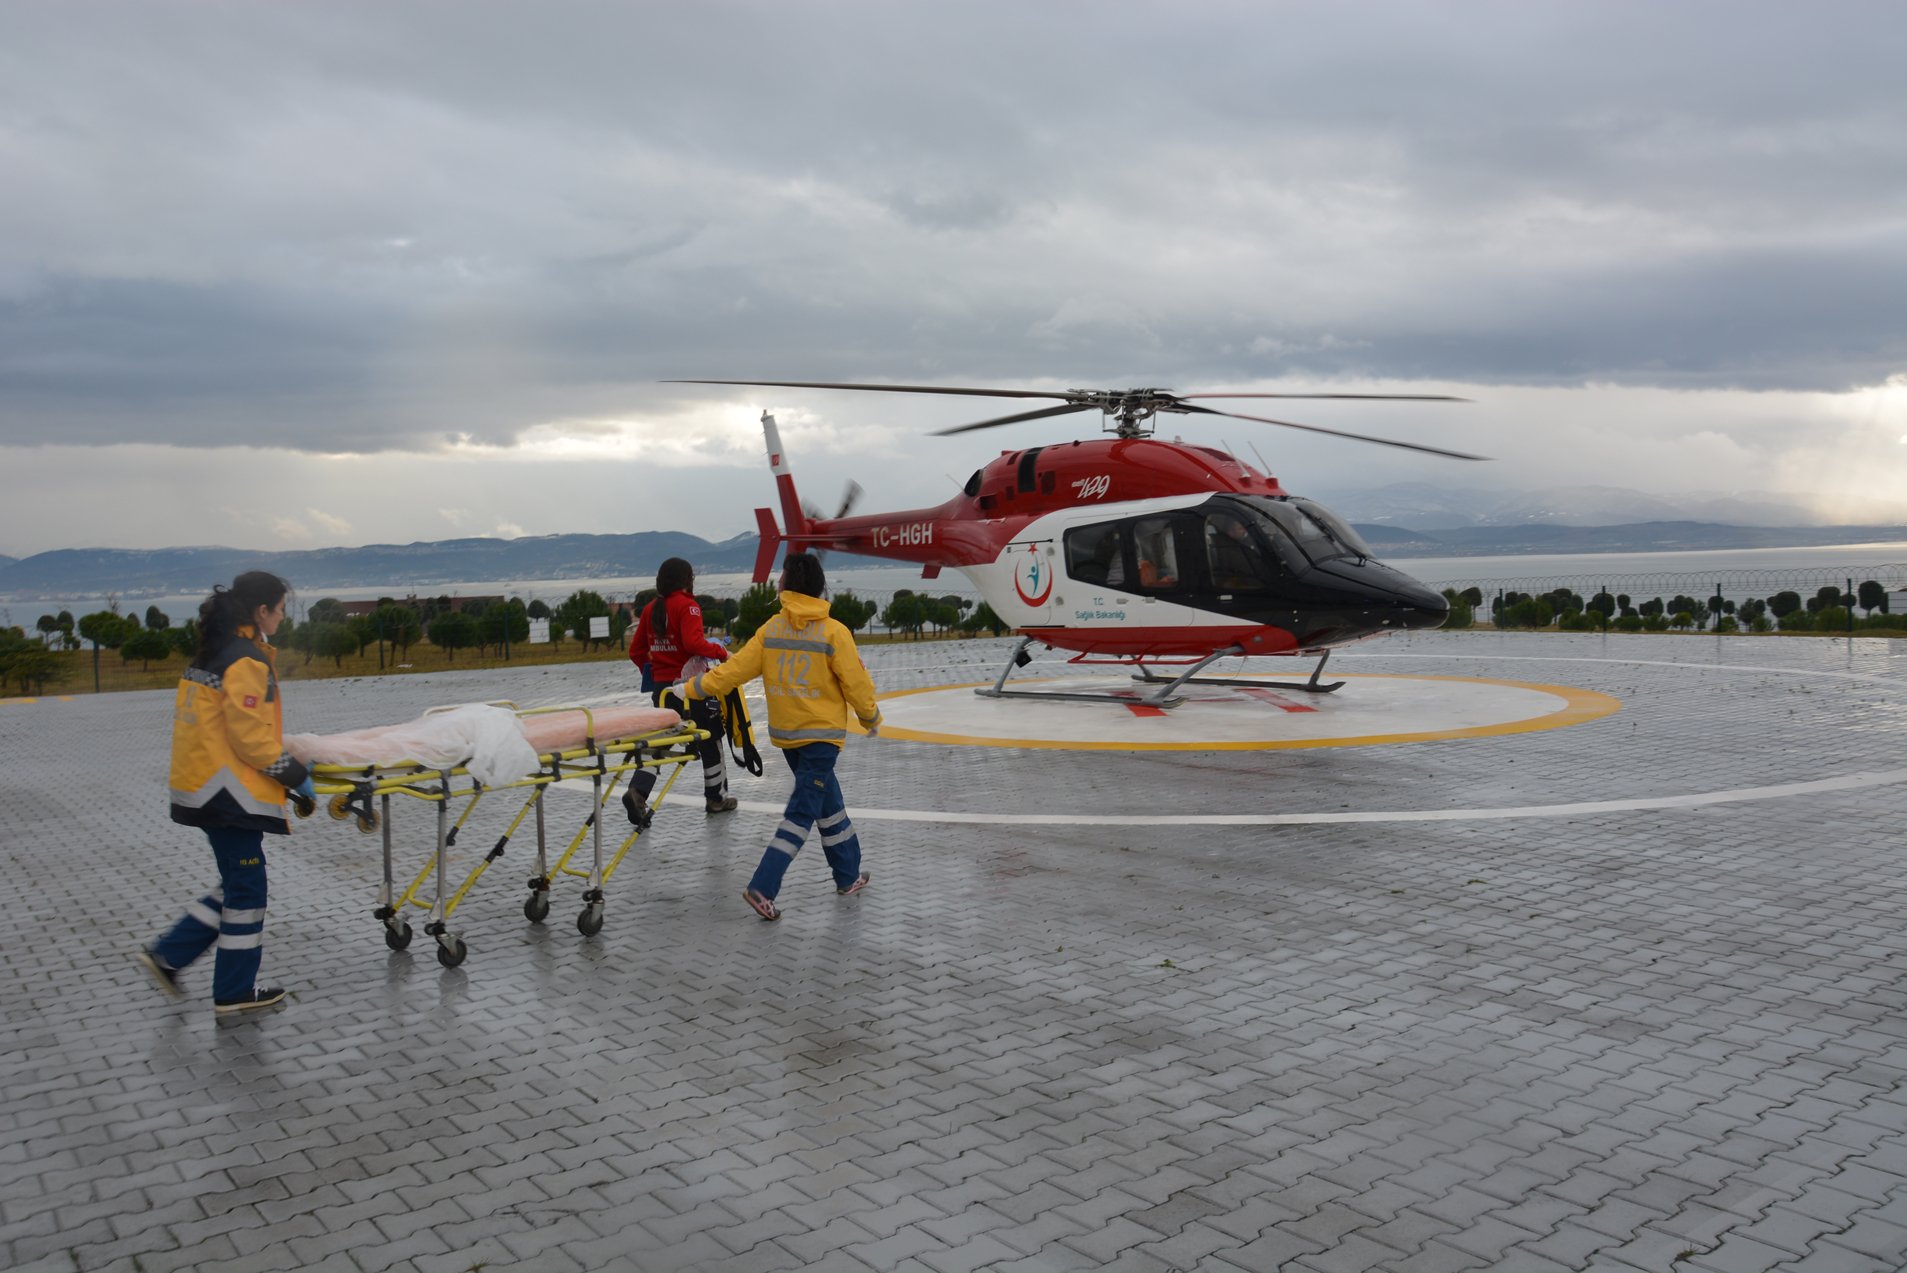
{"x": 1034, "y": 573}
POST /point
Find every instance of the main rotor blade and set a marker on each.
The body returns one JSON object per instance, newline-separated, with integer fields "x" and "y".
{"x": 1041, "y": 414}
{"x": 1341, "y": 433}
{"x": 1363, "y": 397}
{"x": 816, "y": 384}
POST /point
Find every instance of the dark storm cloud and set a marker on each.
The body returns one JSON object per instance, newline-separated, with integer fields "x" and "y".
{"x": 364, "y": 226}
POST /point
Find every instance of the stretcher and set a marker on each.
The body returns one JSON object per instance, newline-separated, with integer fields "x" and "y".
{"x": 602, "y": 746}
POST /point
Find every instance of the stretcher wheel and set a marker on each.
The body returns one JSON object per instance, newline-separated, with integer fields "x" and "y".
{"x": 399, "y": 937}
{"x": 537, "y": 907}
{"x": 339, "y": 806}
{"x": 303, "y": 807}
{"x": 367, "y": 822}
{"x": 451, "y": 951}
{"x": 590, "y": 922}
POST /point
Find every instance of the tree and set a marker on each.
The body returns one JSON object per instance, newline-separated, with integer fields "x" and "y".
{"x": 145, "y": 645}
{"x": 1783, "y": 604}
{"x": 363, "y": 630}
{"x": 452, "y": 632}
{"x": 399, "y": 625}
{"x": 1471, "y": 596}
{"x": 850, "y": 611}
{"x": 509, "y": 622}
{"x": 1797, "y": 620}
{"x": 577, "y": 610}
{"x": 904, "y": 614}
{"x": 47, "y": 625}
{"x": 1872, "y": 596}
{"x": 983, "y": 616}
{"x": 754, "y": 609}
{"x": 103, "y": 627}
{"x": 156, "y": 619}
{"x": 325, "y": 610}
{"x": 538, "y": 610}
{"x": 1530, "y": 612}
{"x": 30, "y": 666}
{"x": 1602, "y": 603}
{"x": 713, "y": 616}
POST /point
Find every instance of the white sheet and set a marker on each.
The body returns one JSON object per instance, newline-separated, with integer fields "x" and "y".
{"x": 487, "y": 740}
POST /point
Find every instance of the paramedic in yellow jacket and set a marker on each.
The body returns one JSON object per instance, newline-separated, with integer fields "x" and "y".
{"x": 230, "y": 776}
{"x": 812, "y": 676}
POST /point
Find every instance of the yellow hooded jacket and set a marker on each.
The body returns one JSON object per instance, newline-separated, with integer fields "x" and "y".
{"x": 810, "y": 671}
{"x": 229, "y": 764}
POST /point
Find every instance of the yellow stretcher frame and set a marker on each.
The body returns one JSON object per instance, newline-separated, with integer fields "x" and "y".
{"x": 352, "y": 788}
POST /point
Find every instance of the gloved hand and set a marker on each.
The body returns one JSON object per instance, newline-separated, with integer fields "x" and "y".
{"x": 873, "y": 731}
{"x": 305, "y": 789}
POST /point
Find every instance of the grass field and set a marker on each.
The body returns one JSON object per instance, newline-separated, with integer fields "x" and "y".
{"x": 76, "y": 667}
{"x": 75, "y": 674}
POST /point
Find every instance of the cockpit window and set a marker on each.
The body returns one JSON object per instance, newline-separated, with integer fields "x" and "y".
{"x": 1318, "y": 533}
{"x": 1336, "y": 527}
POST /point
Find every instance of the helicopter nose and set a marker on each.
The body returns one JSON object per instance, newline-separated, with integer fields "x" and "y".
{"x": 1419, "y": 609}
{"x": 1391, "y": 601}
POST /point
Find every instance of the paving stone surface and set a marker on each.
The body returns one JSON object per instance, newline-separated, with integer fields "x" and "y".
{"x": 1621, "y": 1029}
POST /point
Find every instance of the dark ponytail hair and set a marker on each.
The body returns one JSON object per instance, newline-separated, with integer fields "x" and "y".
{"x": 801, "y": 572}
{"x": 673, "y": 575}
{"x": 221, "y": 613}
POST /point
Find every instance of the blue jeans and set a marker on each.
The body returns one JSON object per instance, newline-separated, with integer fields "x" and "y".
{"x": 816, "y": 799}
{"x": 233, "y": 915}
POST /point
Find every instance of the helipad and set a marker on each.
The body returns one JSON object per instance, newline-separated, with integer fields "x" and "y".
{"x": 1496, "y": 995}
{"x": 1369, "y": 709}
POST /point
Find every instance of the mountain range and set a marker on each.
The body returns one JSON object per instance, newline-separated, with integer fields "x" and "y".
{"x": 1430, "y": 504}
{"x": 1402, "y": 520}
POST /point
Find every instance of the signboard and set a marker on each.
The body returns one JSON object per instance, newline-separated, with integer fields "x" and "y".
{"x": 599, "y": 627}
{"x": 539, "y": 631}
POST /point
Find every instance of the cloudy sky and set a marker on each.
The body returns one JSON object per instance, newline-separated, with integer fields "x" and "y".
{"x": 301, "y": 274}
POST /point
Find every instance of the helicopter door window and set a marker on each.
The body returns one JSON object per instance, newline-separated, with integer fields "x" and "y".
{"x": 1093, "y": 554}
{"x": 1156, "y": 554}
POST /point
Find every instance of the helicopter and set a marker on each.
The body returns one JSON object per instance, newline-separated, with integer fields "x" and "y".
{"x": 1130, "y": 550}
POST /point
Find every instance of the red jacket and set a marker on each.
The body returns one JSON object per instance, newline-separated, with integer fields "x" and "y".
{"x": 681, "y": 639}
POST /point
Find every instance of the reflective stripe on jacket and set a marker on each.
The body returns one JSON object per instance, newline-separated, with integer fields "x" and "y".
{"x": 810, "y": 671}
{"x": 229, "y": 764}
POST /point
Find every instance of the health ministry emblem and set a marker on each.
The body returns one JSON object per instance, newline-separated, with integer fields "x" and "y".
{"x": 1032, "y": 577}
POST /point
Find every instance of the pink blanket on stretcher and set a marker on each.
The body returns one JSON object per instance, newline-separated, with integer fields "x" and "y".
{"x": 494, "y": 743}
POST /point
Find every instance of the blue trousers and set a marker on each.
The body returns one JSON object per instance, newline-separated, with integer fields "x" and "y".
{"x": 233, "y": 915}
{"x": 816, "y": 800}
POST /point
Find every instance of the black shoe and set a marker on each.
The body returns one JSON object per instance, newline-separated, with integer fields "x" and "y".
{"x": 165, "y": 974}
{"x": 257, "y": 1001}
{"x": 640, "y": 814}
{"x": 727, "y": 804}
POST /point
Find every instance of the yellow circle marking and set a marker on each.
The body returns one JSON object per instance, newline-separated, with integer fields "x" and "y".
{"x": 1579, "y": 706}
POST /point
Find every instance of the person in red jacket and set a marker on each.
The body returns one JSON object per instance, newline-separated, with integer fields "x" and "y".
{"x": 669, "y": 634}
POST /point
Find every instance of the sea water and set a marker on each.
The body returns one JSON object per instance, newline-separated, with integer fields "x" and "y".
{"x": 1741, "y": 572}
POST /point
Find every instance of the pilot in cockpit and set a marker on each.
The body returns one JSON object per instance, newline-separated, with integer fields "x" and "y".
{"x": 1228, "y": 550}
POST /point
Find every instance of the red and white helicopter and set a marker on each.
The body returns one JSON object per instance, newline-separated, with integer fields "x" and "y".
{"x": 1131, "y": 550}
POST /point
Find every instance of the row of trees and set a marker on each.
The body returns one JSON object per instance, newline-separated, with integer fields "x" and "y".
{"x": 1830, "y": 609}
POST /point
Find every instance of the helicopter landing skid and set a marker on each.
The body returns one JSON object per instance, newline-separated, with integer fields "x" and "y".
{"x": 1309, "y": 687}
{"x": 1162, "y": 697}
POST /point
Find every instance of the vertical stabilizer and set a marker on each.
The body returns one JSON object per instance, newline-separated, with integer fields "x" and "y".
{"x": 792, "y": 517}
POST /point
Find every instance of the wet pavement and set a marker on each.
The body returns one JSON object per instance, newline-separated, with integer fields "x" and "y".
{"x": 1621, "y": 995}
